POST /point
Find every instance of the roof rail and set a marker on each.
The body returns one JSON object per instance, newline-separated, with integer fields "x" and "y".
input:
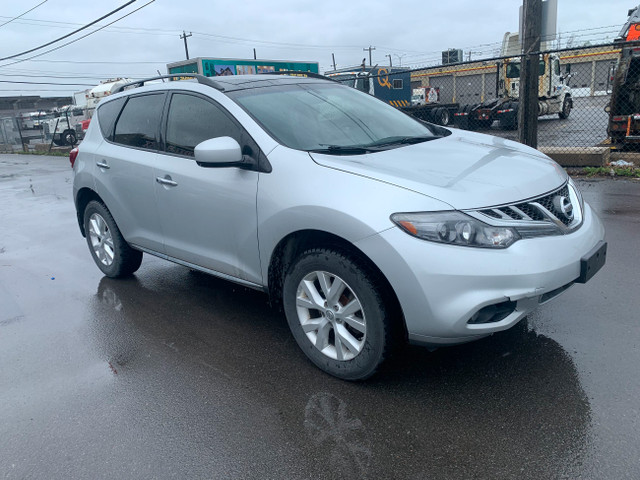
{"x": 296, "y": 73}
{"x": 200, "y": 78}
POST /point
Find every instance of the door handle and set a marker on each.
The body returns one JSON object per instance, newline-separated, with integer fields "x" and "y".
{"x": 103, "y": 165}
{"x": 166, "y": 180}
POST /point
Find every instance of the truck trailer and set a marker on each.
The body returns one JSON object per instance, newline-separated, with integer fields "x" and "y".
{"x": 393, "y": 86}
{"x": 554, "y": 96}
{"x": 212, "y": 67}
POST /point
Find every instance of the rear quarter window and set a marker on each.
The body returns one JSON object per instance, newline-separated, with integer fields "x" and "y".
{"x": 107, "y": 115}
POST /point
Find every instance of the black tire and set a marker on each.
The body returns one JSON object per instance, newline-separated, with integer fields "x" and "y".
{"x": 566, "y": 108}
{"x": 444, "y": 117}
{"x": 363, "y": 286}
{"x": 69, "y": 137}
{"x": 125, "y": 260}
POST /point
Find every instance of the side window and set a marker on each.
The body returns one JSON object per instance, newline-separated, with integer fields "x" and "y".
{"x": 397, "y": 83}
{"x": 556, "y": 67}
{"x": 139, "y": 121}
{"x": 107, "y": 114}
{"x": 193, "y": 120}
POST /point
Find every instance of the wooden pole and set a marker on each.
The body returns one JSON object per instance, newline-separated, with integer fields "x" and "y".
{"x": 528, "y": 108}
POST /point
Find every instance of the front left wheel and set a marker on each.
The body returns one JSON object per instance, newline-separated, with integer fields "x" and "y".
{"x": 337, "y": 313}
{"x": 566, "y": 108}
{"x": 109, "y": 249}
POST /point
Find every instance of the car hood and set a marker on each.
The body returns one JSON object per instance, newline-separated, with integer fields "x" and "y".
{"x": 465, "y": 169}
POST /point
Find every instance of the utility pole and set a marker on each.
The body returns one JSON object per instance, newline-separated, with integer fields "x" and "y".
{"x": 184, "y": 37}
{"x": 333, "y": 57}
{"x": 390, "y": 64}
{"x": 370, "y": 49}
{"x": 528, "y": 110}
{"x": 254, "y": 54}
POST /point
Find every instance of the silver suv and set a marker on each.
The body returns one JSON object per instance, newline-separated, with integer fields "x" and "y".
{"x": 370, "y": 227}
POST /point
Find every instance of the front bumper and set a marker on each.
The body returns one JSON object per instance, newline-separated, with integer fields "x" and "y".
{"x": 440, "y": 287}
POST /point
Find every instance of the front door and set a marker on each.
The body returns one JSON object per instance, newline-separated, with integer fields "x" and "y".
{"x": 208, "y": 215}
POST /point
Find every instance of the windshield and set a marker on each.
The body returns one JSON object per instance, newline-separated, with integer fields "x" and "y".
{"x": 317, "y": 116}
{"x": 513, "y": 69}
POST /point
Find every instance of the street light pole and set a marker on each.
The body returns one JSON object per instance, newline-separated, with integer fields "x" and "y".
{"x": 400, "y": 58}
{"x": 390, "y": 64}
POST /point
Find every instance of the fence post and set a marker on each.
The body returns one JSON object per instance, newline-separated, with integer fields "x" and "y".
{"x": 18, "y": 121}
{"x": 528, "y": 109}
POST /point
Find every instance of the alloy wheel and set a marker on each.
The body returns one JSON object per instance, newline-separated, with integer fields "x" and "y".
{"x": 101, "y": 239}
{"x": 331, "y": 315}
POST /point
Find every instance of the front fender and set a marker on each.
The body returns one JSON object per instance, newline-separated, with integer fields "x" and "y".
{"x": 302, "y": 195}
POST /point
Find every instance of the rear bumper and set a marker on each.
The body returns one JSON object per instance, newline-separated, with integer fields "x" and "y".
{"x": 441, "y": 287}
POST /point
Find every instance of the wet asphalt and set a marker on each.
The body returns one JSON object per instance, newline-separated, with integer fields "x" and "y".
{"x": 175, "y": 374}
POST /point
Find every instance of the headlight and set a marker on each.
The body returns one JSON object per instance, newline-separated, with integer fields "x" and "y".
{"x": 455, "y": 228}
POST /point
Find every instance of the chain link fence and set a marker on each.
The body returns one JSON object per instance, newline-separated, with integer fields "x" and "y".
{"x": 574, "y": 87}
{"x": 588, "y": 97}
{"x": 42, "y": 131}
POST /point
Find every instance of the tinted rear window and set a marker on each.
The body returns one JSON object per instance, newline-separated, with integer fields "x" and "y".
{"x": 107, "y": 114}
{"x": 139, "y": 122}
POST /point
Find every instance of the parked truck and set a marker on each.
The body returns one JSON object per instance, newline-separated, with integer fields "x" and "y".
{"x": 554, "y": 96}
{"x": 393, "y": 86}
{"x": 66, "y": 126}
{"x": 624, "y": 106}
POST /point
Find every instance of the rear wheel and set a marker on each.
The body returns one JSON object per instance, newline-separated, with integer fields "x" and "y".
{"x": 109, "y": 250}
{"x": 444, "y": 117}
{"x": 336, "y": 312}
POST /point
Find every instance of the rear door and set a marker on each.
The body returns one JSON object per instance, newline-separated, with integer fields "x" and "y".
{"x": 125, "y": 175}
{"x": 208, "y": 214}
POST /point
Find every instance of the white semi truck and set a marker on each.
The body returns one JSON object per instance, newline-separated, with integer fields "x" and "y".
{"x": 554, "y": 96}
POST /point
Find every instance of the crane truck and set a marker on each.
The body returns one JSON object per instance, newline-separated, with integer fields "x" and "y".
{"x": 624, "y": 106}
{"x": 554, "y": 96}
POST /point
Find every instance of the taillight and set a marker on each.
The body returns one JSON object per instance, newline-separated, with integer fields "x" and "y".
{"x": 72, "y": 156}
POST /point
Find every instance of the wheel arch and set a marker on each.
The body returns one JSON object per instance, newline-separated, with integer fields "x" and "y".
{"x": 289, "y": 249}
{"x": 83, "y": 197}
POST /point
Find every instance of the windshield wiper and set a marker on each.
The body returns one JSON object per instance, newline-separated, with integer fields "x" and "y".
{"x": 387, "y": 142}
{"x": 345, "y": 150}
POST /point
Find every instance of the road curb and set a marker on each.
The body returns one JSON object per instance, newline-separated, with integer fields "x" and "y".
{"x": 578, "y": 156}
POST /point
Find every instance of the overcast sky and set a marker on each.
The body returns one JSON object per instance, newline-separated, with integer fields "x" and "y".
{"x": 413, "y": 33}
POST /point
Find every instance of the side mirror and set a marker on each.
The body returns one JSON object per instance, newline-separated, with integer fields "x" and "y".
{"x": 218, "y": 152}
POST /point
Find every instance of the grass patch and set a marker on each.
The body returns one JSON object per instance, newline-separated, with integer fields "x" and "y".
{"x": 611, "y": 171}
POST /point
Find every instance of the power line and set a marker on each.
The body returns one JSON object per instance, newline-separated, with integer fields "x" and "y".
{"x": 15, "y": 18}
{"x": 69, "y": 34}
{"x": 84, "y": 36}
{"x": 48, "y": 83}
{"x": 98, "y": 62}
{"x": 133, "y": 77}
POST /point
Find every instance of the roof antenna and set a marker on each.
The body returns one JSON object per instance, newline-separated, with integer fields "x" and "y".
{"x": 159, "y": 74}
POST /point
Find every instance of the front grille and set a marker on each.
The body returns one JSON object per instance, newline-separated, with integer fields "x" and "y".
{"x": 542, "y": 209}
